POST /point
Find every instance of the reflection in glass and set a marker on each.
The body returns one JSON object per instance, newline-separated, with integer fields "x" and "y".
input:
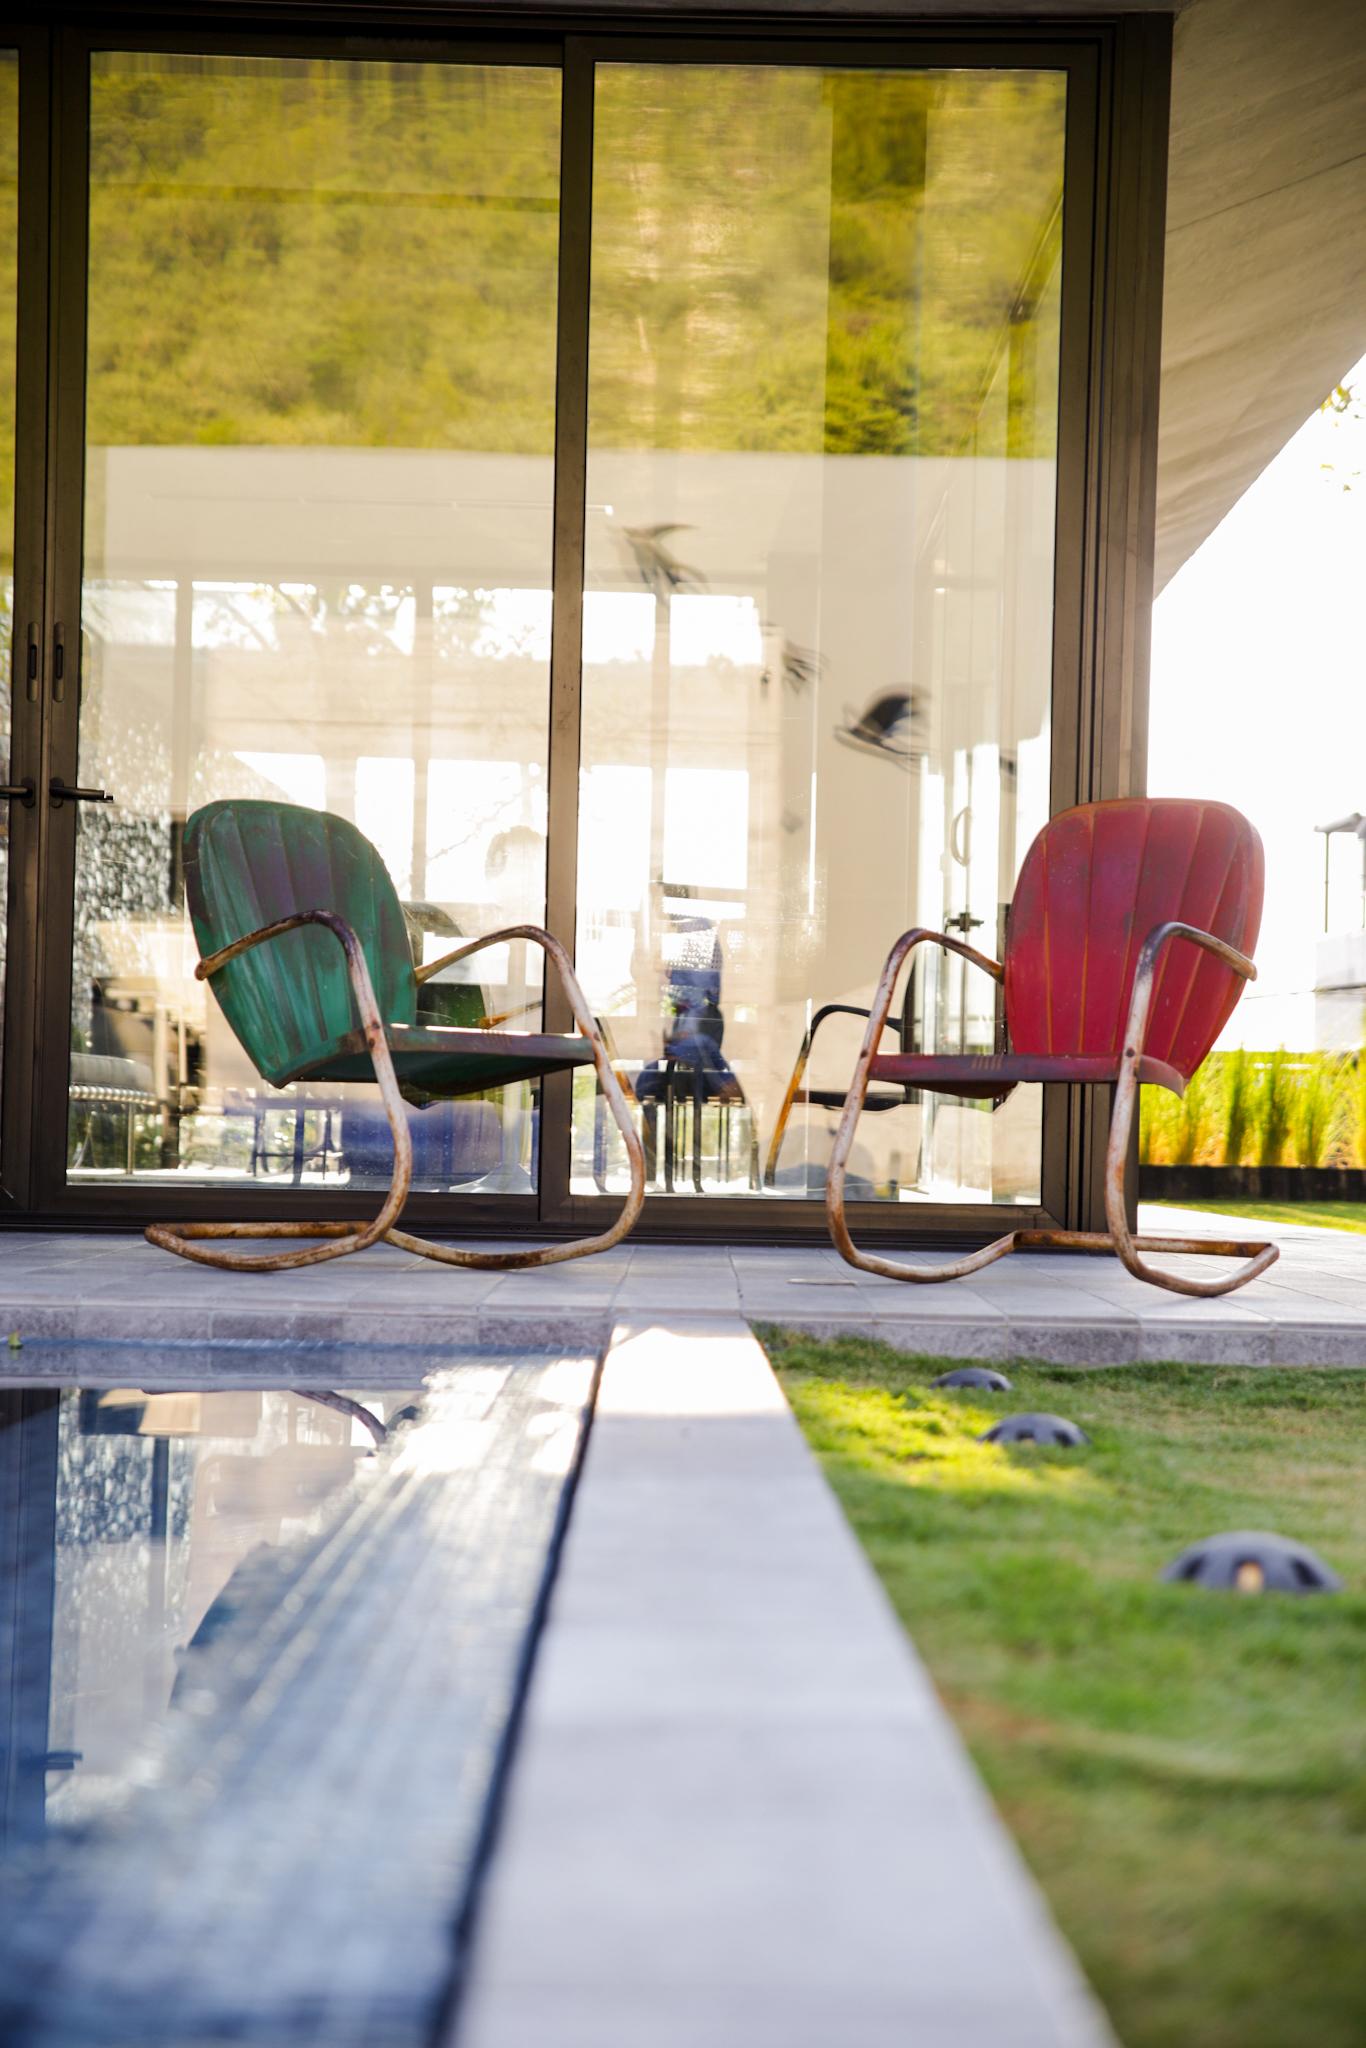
{"x": 145, "y": 1517}
{"x": 320, "y": 415}
{"x": 817, "y": 628}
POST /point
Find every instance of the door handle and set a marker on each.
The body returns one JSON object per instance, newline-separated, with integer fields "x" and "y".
{"x": 62, "y": 792}
{"x": 24, "y": 792}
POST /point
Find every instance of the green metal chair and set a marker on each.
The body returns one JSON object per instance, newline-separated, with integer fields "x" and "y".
{"x": 302, "y": 935}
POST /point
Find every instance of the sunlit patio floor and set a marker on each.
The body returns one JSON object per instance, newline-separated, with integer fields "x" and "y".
{"x": 1310, "y": 1309}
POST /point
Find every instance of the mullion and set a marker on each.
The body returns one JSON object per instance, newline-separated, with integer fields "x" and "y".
{"x": 30, "y": 542}
{"x": 567, "y": 576}
{"x": 69, "y": 218}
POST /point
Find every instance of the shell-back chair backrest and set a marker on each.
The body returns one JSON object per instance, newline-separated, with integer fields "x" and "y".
{"x": 1094, "y": 884}
{"x": 249, "y": 863}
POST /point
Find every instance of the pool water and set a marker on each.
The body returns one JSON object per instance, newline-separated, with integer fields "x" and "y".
{"x": 261, "y": 1647}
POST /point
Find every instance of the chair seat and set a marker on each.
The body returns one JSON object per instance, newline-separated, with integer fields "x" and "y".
{"x": 434, "y": 1062}
{"x": 987, "y": 1074}
{"x": 834, "y": 1098}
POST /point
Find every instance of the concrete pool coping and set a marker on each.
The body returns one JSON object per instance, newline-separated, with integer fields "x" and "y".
{"x": 1060, "y": 1309}
{"x": 738, "y": 1813}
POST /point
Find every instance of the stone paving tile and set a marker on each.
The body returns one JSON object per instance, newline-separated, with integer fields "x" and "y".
{"x": 1311, "y": 1310}
{"x": 1057, "y": 1305}
{"x": 38, "y": 1319}
{"x": 1319, "y": 1343}
{"x": 1078, "y": 1308}
{"x": 983, "y": 1341}
{"x": 451, "y": 1293}
{"x": 284, "y": 1325}
{"x": 568, "y": 1283}
{"x": 1074, "y": 1343}
{"x": 782, "y": 1305}
{"x": 919, "y": 1305}
{"x": 824, "y": 1329}
{"x": 931, "y": 1296}
{"x": 589, "y": 1327}
{"x": 129, "y": 1320}
{"x": 1212, "y": 1343}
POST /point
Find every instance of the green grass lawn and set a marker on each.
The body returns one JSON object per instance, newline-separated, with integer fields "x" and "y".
{"x": 1184, "y": 1770}
{"x": 1328, "y": 1215}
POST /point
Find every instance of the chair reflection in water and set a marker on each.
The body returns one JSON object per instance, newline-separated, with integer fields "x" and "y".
{"x": 303, "y": 941}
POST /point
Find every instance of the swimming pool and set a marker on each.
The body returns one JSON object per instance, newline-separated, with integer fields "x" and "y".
{"x": 262, "y": 1637}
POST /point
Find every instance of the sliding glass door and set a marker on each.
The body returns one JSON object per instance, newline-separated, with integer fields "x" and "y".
{"x": 319, "y": 416}
{"x": 9, "y": 308}
{"x": 624, "y": 478}
{"x": 817, "y": 645}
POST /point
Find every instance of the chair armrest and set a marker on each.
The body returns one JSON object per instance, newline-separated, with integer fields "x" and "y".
{"x": 362, "y": 986}
{"x": 614, "y": 1059}
{"x": 798, "y": 1071}
{"x": 493, "y": 1020}
{"x": 882, "y": 1002}
{"x": 1135, "y": 1033}
{"x": 551, "y": 947}
{"x": 858, "y": 1085}
{"x": 1162, "y": 934}
{"x": 1145, "y": 978}
{"x": 837, "y": 1010}
{"x": 462, "y": 952}
{"x": 589, "y": 1029}
{"x": 877, "y": 1012}
{"x": 1140, "y": 1003}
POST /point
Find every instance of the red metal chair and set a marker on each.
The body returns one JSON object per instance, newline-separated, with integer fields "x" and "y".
{"x": 1128, "y": 944}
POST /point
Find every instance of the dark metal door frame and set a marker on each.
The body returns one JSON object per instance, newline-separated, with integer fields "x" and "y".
{"x": 32, "y": 571}
{"x": 1118, "y": 73}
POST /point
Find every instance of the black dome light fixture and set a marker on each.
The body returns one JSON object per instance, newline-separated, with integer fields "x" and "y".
{"x": 1054, "y": 1430}
{"x": 1253, "y": 1561}
{"x": 974, "y": 1376}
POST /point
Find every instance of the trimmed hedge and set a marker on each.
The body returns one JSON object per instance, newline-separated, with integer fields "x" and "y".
{"x": 1264, "y": 1110}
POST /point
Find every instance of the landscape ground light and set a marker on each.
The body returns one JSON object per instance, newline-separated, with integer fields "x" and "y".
{"x": 1254, "y": 1561}
{"x": 1034, "y": 1429}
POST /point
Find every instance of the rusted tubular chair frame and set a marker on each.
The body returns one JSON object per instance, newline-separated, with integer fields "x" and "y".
{"x": 1118, "y": 1238}
{"x": 188, "y": 1238}
{"x": 344, "y": 1405}
{"x": 794, "y": 1086}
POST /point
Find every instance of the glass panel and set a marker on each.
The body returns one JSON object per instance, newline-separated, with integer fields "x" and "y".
{"x": 818, "y": 616}
{"x": 9, "y": 306}
{"x": 317, "y": 566}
